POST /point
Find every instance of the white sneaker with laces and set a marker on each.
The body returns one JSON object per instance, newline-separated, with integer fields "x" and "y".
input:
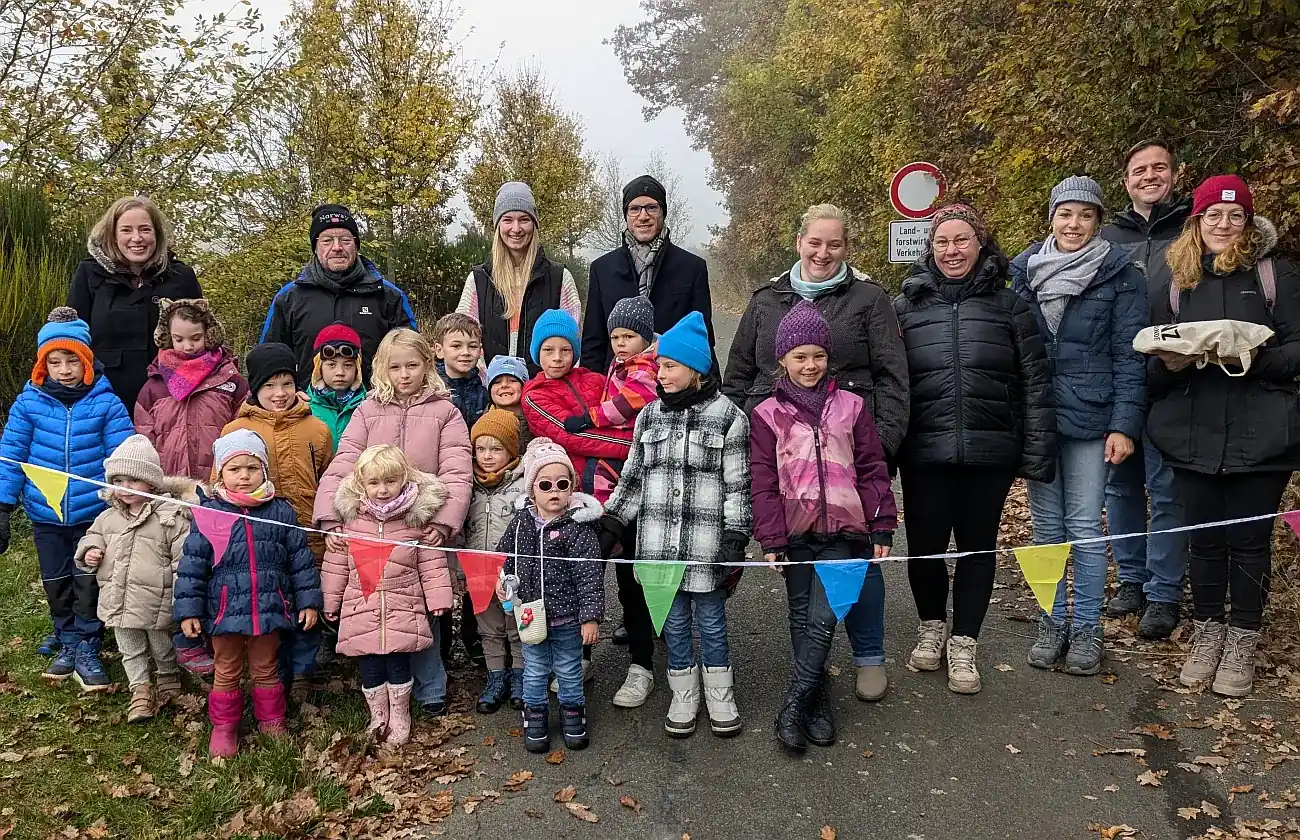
{"x": 636, "y": 688}
{"x": 928, "y": 653}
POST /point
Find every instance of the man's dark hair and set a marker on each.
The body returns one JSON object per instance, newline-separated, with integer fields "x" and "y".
{"x": 1149, "y": 143}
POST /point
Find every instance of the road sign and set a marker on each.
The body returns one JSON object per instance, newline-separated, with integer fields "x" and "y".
{"x": 916, "y": 189}
{"x": 907, "y": 238}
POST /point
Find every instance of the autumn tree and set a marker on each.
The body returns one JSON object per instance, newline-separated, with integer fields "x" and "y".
{"x": 608, "y": 233}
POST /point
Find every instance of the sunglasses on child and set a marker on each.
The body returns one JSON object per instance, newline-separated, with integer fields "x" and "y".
{"x": 338, "y": 351}
{"x": 545, "y": 485}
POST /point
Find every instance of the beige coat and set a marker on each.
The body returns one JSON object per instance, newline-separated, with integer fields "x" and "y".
{"x": 140, "y": 557}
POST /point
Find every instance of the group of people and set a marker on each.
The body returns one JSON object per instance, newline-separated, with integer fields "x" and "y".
{"x": 316, "y": 503}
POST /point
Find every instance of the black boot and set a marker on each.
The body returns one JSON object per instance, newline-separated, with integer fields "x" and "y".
{"x": 818, "y": 722}
{"x": 790, "y": 724}
{"x": 537, "y": 729}
{"x": 574, "y": 719}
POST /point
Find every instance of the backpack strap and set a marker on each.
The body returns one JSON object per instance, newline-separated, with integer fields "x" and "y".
{"x": 1175, "y": 298}
{"x": 1267, "y": 281}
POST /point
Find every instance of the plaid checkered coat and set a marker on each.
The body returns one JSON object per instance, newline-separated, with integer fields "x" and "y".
{"x": 685, "y": 482}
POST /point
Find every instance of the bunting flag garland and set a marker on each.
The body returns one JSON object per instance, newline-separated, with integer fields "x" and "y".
{"x": 481, "y": 568}
{"x": 843, "y": 584}
{"x": 1293, "y": 519}
{"x": 659, "y": 582}
{"x": 52, "y": 484}
{"x": 216, "y": 526}
{"x": 369, "y": 558}
{"x": 1043, "y": 567}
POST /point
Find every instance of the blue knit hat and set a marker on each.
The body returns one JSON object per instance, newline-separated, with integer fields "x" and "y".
{"x": 507, "y": 366}
{"x": 554, "y": 323}
{"x": 64, "y": 331}
{"x": 688, "y": 343}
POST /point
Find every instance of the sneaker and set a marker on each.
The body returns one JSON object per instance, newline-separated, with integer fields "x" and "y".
{"x": 872, "y": 683}
{"x": 63, "y": 665}
{"x": 196, "y": 660}
{"x": 1158, "y": 620}
{"x": 928, "y": 653}
{"x": 587, "y": 673}
{"x": 1202, "y": 663}
{"x": 1236, "y": 674}
{"x": 620, "y": 636}
{"x": 1052, "y": 643}
{"x": 537, "y": 729}
{"x": 50, "y": 645}
{"x": 574, "y": 722}
{"x": 1129, "y": 600}
{"x": 141, "y": 708}
{"x": 1087, "y": 647}
{"x": 494, "y": 693}
{"x": 636, "y": 688}
{"x": 89, "y": 671}
{"x": 963, "y": 676}
{"x": 435, "y": 709}
{"x": 169, "y": 686}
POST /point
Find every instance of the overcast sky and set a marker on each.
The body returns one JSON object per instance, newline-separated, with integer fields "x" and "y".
{"x": 565, "y": 38}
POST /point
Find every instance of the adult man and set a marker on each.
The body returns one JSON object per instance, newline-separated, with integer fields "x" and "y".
{"x": 1151, "y": 570}
{"x": 338, "y": 285}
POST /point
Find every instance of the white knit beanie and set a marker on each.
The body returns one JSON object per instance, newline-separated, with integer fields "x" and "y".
{"x": 541, "y": 452}
{"x": 239, "y": 442}
{"x": 135, "y": 458}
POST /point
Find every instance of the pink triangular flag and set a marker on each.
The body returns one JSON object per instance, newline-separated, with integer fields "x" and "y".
{"x": 369, "y": 559}
{"x": 215, "y": 525}
{"x": 481, "y": 570}
{"x": 1293, "y": 519}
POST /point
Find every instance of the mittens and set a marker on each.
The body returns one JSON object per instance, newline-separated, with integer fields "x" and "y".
{"x": 577, "y": 424}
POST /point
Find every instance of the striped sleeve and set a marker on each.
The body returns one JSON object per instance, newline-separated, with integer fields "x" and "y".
{"x": 638, "y": 391}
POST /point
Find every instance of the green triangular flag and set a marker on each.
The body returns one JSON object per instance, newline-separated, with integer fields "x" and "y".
{"x": 659, "y": 582}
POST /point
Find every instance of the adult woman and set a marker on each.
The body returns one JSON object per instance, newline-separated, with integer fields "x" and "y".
{"x": 1090, "y": 302}
{"x": 1233, "y": 441}
{"x": 509, "y": 293}
{"x": 117, "y": 288}
{"x": 867, "y": 358}
{"x": 981, "y": 415}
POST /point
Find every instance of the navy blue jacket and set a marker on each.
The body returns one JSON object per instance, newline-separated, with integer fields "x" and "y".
{"x": 573, "y": 590}
{"x": 1098, "y": 379}
{"x": 266, "y": 565}
{"x": 469, "y": 395}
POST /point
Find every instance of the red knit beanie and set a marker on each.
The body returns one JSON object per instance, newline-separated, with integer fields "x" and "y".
{"x": 337, "y": 333}
{"x": 1222, "y": 189}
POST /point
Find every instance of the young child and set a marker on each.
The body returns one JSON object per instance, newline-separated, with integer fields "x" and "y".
{"x": 687, "y": 485}
{"x": 408, "y": 407}
{"x": 506, "y": 377}
{"x": 820, "y": 492}
{"x": 247, "y": 596}
{"x": 498, "y": 486}
{"x": 299, "y": 448}
{"x": 194, "y": 389}
{"x": 550, "y": 544}
{"x": 630, "y": 383}
{"x": 336, "y": 387}
{"x": 383, "y": 607}
{"x": 67, "y": 418}
{"x": 134, "y": 548}
{"x": 458, "y": 344}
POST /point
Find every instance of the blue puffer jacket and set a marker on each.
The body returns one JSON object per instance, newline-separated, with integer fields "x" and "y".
{"x": 265, "y": 564}
{"x": 1098, "y": 379}
{"x": 74, "y": 439}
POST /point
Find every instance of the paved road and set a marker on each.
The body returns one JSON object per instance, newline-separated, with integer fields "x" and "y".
{"x": 924, "y": 764}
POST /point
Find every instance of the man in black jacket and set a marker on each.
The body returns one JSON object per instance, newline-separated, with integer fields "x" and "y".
{"x": 338, "y": 285}
{"x": 649, "y": 264}
{"x": 1151, "y": 570}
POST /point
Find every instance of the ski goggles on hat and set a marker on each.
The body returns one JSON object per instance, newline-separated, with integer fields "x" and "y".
{"x": 561, "y": 485}
{"x": 339, "y": 351}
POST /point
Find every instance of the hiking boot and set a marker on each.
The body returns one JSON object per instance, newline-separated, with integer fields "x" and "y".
{"x": 225, "y": 708}
{"x": 636, "y": 688}
{"x": 1087, "y": 648}
{"x": 141, "y": 708}
{"x": 270, "y": 707}
{"x": 720, "y": 698}
{"x": 399, "y": 713}
{"x": 872, "y": 683}
{"x": 494, "y": 693}
{"x": 63, "y": 664}
{"x": 818, "y": 719}
{"x": 620, "y": 636}
{"x": 517, "y": 689}
{"x": 196, "y": 660}
{"x": 434, "y": 708}
{"x": 89, "y": 671}
{"x": 1129, "y": 600}
{"x": 169, "y": 686}
{"x": 1052, "y": 642}
{"x": 963, "y": 676}
{"x": 928, "y": 653}
{"x": 1202, "y": 663}
{"x": 789, "y": 723}
{"x": 50, "y": 645}
{"x": 377, "y": 703}
{"x": 574, "y": 721}
{"x": 684, "y": 708}
{"x": 1158, "y": 621}
{"x": 537, "y": 729}
{"x": 1236, "y": 674}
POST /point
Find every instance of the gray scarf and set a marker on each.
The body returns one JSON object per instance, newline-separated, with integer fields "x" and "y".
{"x": 645, "y": 258}
{"x": 1056, "y": 276}
{"x": 336, "y": 281}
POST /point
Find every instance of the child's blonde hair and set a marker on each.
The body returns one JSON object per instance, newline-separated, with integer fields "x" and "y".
{"x": 383, "y": 461}
{"x": 381, "y": 387}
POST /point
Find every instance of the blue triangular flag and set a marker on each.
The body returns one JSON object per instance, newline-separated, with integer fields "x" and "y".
{"x": 842, "y": 581}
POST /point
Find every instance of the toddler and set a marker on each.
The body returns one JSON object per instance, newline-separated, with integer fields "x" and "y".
{"x": 630, "y": 383}
{"x": 336, "y": 388}
{"x": 506, "y": 377}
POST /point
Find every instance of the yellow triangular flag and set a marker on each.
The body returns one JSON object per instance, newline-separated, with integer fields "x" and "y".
{"x": 1043, "y": 567}
{"x": 51, "y": 484}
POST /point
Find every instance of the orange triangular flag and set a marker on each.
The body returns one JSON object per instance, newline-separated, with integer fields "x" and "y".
{"x": 369, "y": 558}
{"x": 1043, "y": 567}
{"x": 481, "y": 570}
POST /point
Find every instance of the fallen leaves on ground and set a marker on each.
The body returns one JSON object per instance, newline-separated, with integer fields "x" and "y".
{"x": 628, "y": 802}
{"x": 581, "y": 812}
{"x": 1110, "y": 832}
{"x": 566, "y": 794}
{"x": 518, "y": 780}
{"x": 827, "y": 833}
{"x": 1155, "y": 730}
{"x": 1151, "y": 778}
{"x": 1004, "y": 668}
{"x": 1012, "y": 749}
{"x": 555, "y": 757}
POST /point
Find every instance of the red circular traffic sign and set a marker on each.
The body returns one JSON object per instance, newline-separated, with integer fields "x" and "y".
{"x": 916, "y": 189}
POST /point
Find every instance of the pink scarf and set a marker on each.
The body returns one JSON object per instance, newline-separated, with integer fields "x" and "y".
{"x": 184, "y": 373}
{"x": 395, "y": 506}
{"x": 258, "y": 497}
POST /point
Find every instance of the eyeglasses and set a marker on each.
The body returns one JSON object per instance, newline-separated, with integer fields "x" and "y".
{"x": 648, "y": 209}
{"x": 339, "y": 351}
{"x": 1236, "y": 218}
{"x": 340, "y": 241}
{"x": 545, "y": 485}
{"x": 962, "y": 242}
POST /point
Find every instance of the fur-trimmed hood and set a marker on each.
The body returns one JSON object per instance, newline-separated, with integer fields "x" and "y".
{"x": 429, "y": 499}
{"x": 175, "y": 486}
{"x": 582, "y": 507}
{"x": 1267, "y": 237}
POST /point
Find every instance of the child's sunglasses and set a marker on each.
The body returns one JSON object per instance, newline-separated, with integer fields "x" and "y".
{"x": 546, "y": 484}
{"x": 338, "y": 351}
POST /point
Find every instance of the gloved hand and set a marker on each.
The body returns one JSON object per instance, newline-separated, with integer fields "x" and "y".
{"x": 611, "y": 536}
{"x": 577, "y": 424}
{"x": 6, "y": 511}
{"x": 733, "y": 551}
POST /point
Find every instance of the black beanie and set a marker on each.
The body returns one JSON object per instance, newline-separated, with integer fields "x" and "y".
{"x": 265, "y": 361}
{"x": 329, "y": 216}
{"x": 646, "y": 186}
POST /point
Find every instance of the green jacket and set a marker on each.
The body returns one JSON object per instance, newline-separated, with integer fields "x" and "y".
{"x": 325, "y": 407}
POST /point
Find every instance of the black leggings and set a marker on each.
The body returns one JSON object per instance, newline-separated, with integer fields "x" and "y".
{"x": 379, "y": 668}
{"x": 966, "y": 502}
{"x": 812, "y": 621}
{"x": 636, "y": 615}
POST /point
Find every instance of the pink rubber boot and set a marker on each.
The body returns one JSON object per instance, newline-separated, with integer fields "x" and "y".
{"x": 399, "y": 713}
{"x": 377, "y": 702}
{"x": 225, "y": 709}
{"x": 269, "y": 707}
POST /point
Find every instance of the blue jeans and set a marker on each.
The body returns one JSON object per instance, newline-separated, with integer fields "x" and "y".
{"x": 865, "y": 623}
{"x": 711, "y": 619}
{"x": 559, "y": 653}
{"x": 428, "y": 671}
{"x": 73, "y": 594}
{"x": 1068, "y": 509}
{"x": 1159, "y": 562}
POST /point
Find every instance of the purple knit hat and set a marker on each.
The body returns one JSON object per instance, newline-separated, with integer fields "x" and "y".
{"x": 803, "y": 324}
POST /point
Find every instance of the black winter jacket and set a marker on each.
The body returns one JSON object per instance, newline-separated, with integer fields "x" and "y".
{"x": 574, "y": 590}
{"x": 980, "y": 382}
{"x": 867, "y": 359}
{"x": 543, "y": 292}
{"x": 122, "y": 318}
{"x": 1147, "y": 240}
{"x": 1209, "y": 422}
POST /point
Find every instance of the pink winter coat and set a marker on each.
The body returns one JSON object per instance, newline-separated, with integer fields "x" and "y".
{"x": 183, "y": 430}
{"x": 413, "y": 582}
{"x": 435, "y": 439}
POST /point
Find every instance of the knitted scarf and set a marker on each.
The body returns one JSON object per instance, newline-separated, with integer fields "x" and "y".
{"x": 394, "y": 507}
{"x": 810, "y": 401}
{"x": 813, "y": 289}
{"x": 183, "y": 373}
{"x": 258, "y": 497}
{"x": 645, "y": 258}
{"x": 1056, "y": 276}
{"x": 336, "y": 281}
{"x": 491, "y": 480}
{"x": 682, "y": 400}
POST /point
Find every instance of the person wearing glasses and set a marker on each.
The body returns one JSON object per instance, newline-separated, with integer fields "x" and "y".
{"x": 336, "y": 387}
{"x": 337, "y": 285}
{"x": 1232, "y": 440}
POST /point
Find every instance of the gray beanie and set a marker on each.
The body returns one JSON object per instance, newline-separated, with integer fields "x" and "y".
{"x": 135, "y": 458}
{"x": 636, "y": 314}
{"x": 1077, "y": 188}
{"x": 514, "y": 197}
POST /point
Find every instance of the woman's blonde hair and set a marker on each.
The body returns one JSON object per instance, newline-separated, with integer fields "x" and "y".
{"x": 103, "y": 236}
{"x": 383, "y": 461}
{"x": 818, "y": 212}
{"x": 381, "y": 387}
{"x": 1184, "y": 255}
{"x": 511, "y": 278}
